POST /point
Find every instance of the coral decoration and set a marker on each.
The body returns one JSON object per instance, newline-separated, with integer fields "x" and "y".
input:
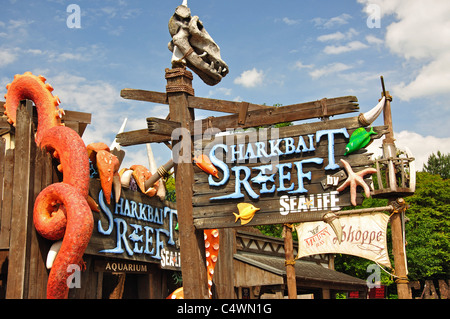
{"x": 211, "y": 253}
{"x": 61, "y": 210}
{"x": 31, "y": 87}
{"x": 211, "y": 239}
{"x": 355, "y": 179}
{"x": 140, "y": 175}
{"x": 177, "y": 294}
{"x": 204, "y": 163}
{"x": 108, "y": 168}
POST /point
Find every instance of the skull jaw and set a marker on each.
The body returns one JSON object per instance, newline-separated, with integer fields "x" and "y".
{"x": 208, "y": 72}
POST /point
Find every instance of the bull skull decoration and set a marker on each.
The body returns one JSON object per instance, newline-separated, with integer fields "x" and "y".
{"x": 193, "y": 47}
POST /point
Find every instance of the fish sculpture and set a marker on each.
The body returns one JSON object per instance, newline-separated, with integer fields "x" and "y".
{"x": 204, "y": 163}
{"x": 246, "y": 212}
{"x": 360, "y": 138}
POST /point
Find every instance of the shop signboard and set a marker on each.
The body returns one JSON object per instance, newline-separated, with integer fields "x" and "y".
{"x": 135, "y": 228}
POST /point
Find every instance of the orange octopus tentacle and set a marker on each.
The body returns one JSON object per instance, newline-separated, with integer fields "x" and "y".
{"x": 80, "y": 224}
{"x": 61, "y": 210}
{"x": 72, "y": 154}
{"x": 32, "y": 87}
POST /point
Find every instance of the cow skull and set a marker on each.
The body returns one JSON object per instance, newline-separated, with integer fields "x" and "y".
{"x": 193, "y": 46}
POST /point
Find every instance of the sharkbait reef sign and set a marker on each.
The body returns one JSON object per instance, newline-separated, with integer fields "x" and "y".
{"x": 137, "y": 228}
{"x": 275, "y": 175}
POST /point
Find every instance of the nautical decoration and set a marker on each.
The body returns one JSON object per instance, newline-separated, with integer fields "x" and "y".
{"x": 211, "y": 239}
{"x": 211, "y": 252}
{"x": 360, "y": 138}
{"x": 370, "y": 116}
{"x": 246, "y": 212}
{"x": 355, "y": 179}
{"x": 140, "y": 175}
{"x": 204, "y": 163}
{"x": 193, "y": 46}
{"x": 161, "y": 188}
{"x": 108, "y": 168}
{"x": 61, "y": 210}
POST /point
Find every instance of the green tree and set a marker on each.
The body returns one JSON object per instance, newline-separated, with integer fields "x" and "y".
{"x": 428, "y": 228}
{"x": 438, "y": 164}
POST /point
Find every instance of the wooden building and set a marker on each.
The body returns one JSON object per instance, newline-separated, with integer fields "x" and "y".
{"x": 260, "y": 272}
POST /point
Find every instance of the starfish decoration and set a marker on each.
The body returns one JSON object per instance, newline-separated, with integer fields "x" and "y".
{"x": 309, "y": 203}
{"x": 355, "y": 179}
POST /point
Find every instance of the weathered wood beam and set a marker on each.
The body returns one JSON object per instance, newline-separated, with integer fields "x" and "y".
{"x": 294, "y": 112}
{"x": 222, "y": 105}
{"x": 160, "y": 126}
{"x": 144, "y": 95}
{"x": 194, "y": 101}
{"x": 140, "y": 137}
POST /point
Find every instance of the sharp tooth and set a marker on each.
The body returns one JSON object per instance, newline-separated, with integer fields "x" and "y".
{"x": 224, "y": 70}
{"x": 211, "y": 65}
{"x": 220, "y": 69}
{"x": 203, "y": 54}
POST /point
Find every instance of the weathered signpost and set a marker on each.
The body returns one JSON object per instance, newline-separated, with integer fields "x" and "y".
{"x": 292, "y": 174}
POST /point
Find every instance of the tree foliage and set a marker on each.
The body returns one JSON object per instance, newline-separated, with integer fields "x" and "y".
{"x": 438, "y": 164}
{"x": 428, "y": 230}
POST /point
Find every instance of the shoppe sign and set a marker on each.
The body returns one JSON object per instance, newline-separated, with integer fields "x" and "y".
{"x": 273, "y": 175}
{"x": 136, "y": 228}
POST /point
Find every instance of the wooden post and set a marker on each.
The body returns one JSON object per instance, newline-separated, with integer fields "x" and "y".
{"x": 21, "y": 220}
{"x": 224, "y": 271}
{"x": 192, "y": 250}
{"x": 389, "y": 150}
{"x": 290, "y": 262}
{"x": 398, "y": 250}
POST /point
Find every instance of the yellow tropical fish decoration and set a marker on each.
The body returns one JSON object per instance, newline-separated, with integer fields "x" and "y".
{"x": 246, "y": 212}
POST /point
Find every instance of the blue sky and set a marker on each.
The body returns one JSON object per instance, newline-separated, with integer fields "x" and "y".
{"x": 277, "y": 51}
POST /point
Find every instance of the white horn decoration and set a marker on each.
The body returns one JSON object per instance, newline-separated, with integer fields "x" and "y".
{"x": 161, "y": 191}
{"x": 54, "y": 249}
{"x": 184, "y": 3}
{"x": 114, "y": 143}
{"x": 370, "y": 116}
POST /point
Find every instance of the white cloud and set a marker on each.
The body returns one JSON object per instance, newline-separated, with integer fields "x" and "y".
{"x": 250, "y": 78}
{"x": 351, "y": 46}
{"x": 332, "y": 22}
{"x": 329, "y": 69}
{"x": 331, "y": 37}
{"x": 336, "y": 36}
{"x": 7, "y": 57}
{"x": 422, "y": 37}
{"x": 420, "y": 146}
{"x": 99, "y": 98}
{"x": 374, "y": 40}
{"x": 290, "y": 21}
{"x": 300, "y": 65}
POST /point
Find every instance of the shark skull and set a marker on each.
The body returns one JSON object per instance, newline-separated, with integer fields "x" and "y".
{"x": 193, "y": 46}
